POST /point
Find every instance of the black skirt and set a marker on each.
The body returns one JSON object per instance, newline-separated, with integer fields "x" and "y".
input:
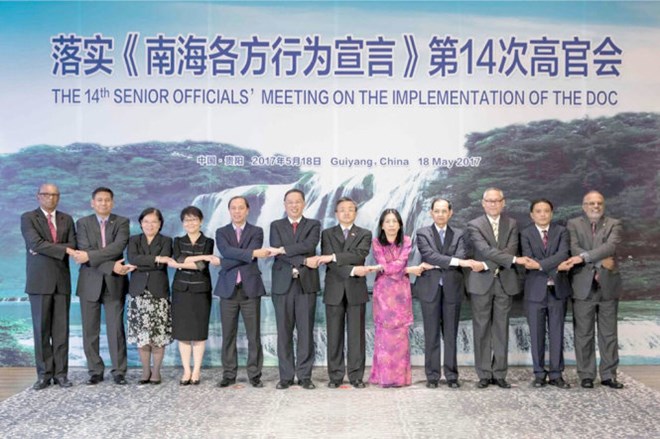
{"x": 190, "y": 315}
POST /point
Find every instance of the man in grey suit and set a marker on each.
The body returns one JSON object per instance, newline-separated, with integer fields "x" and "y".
{"x": 240, "y": 288}
{"x": 546, "y": 291}
{"x": 596, "y": 289}
{"x": 440, "y": 290}
{"x": 344, "y": 249}
{"x": 102, "y": 238}
{"x": 49, "y": 238}
{"x": 295, "y": 282}
{"x": 494, "y": 240}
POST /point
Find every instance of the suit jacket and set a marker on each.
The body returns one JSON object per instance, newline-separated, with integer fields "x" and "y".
{"x": 47, "y": 263}
{"x": 192, "y": 281}
{"x": 297, "y": 248}
{"x": 496, "y": 255}
{"x": 149, "y": 275}
{"x": 536, "y": 281}
{"x": 603, "y": 245}
{"x": 101, "y": 259}
{"x": 237, "y": 258}
{"x": 434, "y": 253}
{"x": 349, "y": 253}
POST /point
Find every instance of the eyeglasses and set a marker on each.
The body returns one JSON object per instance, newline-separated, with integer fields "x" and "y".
{"x": 493, "y": 201}
{"x": 594, "y": 203}
{"x": 48, "y": 194}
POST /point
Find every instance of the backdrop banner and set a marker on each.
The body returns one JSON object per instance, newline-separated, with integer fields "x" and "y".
{"x": 390, "y": 103}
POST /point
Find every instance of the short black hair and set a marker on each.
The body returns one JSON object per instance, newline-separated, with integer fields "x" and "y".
{"x": 382, "y": 238}
{"x": 295, "y": 191}
{"x": 149, "y": 211}
{"x": 238, "y": 197}
{"x": 346, "y": 200}
{"x": 435, "y": 200}
{"x": 541, "y": 200}
{"x": 103, "y": 189}
{"x": 192, "y": 211}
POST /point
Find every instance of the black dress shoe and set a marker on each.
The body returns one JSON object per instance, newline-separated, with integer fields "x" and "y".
{"x": 334, "y": 384}
{"x": 432, "y": 384}
{"x": 94, "y": 379}
{"x": 539, "y": 382}
{"x": 157, "y": 382}
{"x": 559, "y": 383}
{"x": 146, "y": 381}
{"x": 184, "y": 382}
{"x": 358, "y": 384}
{"x": 41, "y": 384}
{"x": 119, "y": 380}
{"x": 307, "y": 384}
{"x": 612, "y": 384}
{"x": 453, "y": 384}
{"x": 226, "y": 382}
{"x": 483, "y": 383}
{"x": 63, "y": 382}
{"x": 502, "y": 383}
{"x": 587, "y": 383}
{"x": 256, "y": 383}
{"x": 284, "y": 385}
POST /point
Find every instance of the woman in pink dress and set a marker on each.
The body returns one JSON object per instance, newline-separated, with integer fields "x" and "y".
{"x": 392, "y": 303}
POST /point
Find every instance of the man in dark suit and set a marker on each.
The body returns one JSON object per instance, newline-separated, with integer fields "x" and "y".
{"x": 494, "y": 240}
{"x": 344, "y": 249}
{"x": 295, "y": 282}
{"x": 102, "y": 238}
{"x": 440, "y": 290}
{"x": 49, "y": 238}
{"x": 596, "y": 288}
{"x": 546, "y": 291}
{"x": 240, "y": 288}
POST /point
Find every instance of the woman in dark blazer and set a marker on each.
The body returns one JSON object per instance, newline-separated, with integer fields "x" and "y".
{"x": 191, "y": 292}
{"x": 149, "y": 316}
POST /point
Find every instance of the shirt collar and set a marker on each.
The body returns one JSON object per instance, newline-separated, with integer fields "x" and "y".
{"x": 47, "y": 213}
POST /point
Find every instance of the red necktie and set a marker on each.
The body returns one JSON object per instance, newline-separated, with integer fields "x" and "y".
{"x": 545, "y": 239}
{"x": 51, "y": 226}
{"x": 295, "y": 226}
{"x": 103, "y": 223}
{"x": 238, "y": 239}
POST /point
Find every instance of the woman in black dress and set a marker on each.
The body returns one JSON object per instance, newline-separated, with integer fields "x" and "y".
{"x": 149, "y": 316}
{"x": 191, "y": 292}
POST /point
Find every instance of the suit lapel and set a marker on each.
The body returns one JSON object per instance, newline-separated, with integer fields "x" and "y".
{"x": 449, "y": 237}
{"x": 488, "y": 228}
{"x": 436, "y": 238}
{"x": 43, "y": 224}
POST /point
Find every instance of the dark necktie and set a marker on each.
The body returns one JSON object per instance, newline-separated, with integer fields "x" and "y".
{"x": 545, "y": 239}
{"x": 51, "y": 226}
{"x": 238, "y": 239}
{"x": 295, "y": 227}
{"x": 593, "y": 230}
{"x": 345, "y": 234}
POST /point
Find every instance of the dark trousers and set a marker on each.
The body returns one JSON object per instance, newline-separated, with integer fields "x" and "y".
{"x": 114, "y": 326}
{"x": 250, "y": 309}
{"x": 441, "y": 318}
{"x": 295, "y": 309}
{"x": 352, "y": 319}
{"x": 490, "y": 326}
{"x": 594, "y": 311}
{"x": 50, "y": 329}
{"x": 550, "y": 311}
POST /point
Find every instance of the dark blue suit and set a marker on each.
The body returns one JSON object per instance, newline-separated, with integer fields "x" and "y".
{"x": 243, "y": 296}
{"x": 544, "y": 302}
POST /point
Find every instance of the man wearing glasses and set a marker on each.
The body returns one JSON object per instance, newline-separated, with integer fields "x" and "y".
{"x": 494, "y": 239}
{"x": 49, "y": 239}
{"x": 596, "y": 288}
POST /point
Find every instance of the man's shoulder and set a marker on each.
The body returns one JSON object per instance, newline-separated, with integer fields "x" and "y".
{"x": 477, "y": 221}
{"x": 31, "y": 213}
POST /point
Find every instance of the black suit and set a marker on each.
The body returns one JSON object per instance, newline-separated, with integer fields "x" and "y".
{"x": 294, "y": 295}
{"x": 345, "y": 299}
{"x": 99, "y": 285}
{"x": 149, "y": 275}
{"x": 440, "y": 292}
{"x": 242, "y": 297}
{"x": 543, "y": 302}
{"x": 48, "y": 285}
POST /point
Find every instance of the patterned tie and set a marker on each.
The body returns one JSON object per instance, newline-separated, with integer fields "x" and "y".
{"x": 345, "y": 234}
{"x": 545, "y": 239}
{"x": 51, "y": 226}
{"x": 238, "y": 239}
{"x": 496, "y": 231}
{"x": 103, "y": 223}
{"x": 295, "y": 226}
